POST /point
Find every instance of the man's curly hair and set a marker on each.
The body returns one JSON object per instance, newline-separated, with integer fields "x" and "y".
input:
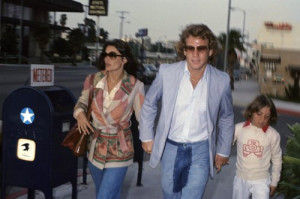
{"x": 197, "y": 30}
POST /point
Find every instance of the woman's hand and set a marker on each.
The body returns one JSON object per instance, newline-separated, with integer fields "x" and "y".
{"x": 84, "y": 126}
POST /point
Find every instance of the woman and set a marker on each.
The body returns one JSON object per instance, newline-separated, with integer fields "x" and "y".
{"x": 117, "y": 93}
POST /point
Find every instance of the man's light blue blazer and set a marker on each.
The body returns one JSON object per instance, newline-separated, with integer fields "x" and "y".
{"x": 220, "y": 117}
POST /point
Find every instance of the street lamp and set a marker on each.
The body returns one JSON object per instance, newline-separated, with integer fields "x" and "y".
{"x": 244, "y": 20}
{"x": 228, "y": 26}
{"x": 227, "y": 36}
{"x": 122, "y": 17}
{"x": 244, "y": 14}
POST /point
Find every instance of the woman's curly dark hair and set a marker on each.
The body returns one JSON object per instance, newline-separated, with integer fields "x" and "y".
{"x": 258, "y": 103}
{"x": 123, "y": 47}
{"x": 197, "y": 30}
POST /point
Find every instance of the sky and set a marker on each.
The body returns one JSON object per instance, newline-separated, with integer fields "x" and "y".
{"x": 165, "y": 19}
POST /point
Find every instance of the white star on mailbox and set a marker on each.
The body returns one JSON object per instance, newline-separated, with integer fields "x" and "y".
{"x": 27, "y": 116}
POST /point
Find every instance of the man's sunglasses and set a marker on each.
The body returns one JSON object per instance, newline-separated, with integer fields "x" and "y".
{"x": 111, "y": 55}
{"x": 191, "y": 49}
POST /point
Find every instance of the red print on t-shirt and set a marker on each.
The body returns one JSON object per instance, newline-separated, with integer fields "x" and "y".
{"x": 253, "y": 146}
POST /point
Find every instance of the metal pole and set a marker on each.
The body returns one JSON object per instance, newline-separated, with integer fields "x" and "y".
{"x": 98, "y": 35}
{"x": 244, "y": 22}
{"x": 85, "y": 18}
{"x": 21, "y": 33}
{"x": 122, "y": 17}
{"x": 244, "y": 13}
{"x": 142, "y": 51}
{"x": 244, "y": 19}
{"x": 0, "y": 23}
{"x": 227, "y": 36}
{"x": 121, "y": 27}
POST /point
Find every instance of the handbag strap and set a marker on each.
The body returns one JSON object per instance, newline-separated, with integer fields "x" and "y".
{"x": 89, "y": 110}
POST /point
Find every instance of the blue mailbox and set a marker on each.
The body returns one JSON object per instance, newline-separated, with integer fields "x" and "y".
{"x": 35, "y": 121}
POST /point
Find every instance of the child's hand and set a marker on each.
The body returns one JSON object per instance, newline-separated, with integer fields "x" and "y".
{"x": 272, "y": 190}
{"x": 220, "y": 161}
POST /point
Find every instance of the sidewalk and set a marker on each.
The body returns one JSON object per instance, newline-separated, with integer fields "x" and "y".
{"x": 219, "y": 187}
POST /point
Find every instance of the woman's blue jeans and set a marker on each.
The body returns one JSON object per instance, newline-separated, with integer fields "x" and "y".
{"x": 185, "y": 169}
{"x": 108, "y": 182}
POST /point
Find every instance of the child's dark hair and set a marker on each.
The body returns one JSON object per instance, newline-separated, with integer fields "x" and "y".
{"x": 258, "y": 103}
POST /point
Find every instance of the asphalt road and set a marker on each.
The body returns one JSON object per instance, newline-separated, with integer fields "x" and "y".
{"x": 13, "y": 77}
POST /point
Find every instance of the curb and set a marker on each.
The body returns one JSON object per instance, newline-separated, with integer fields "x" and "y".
{"x": 288, "y": 112}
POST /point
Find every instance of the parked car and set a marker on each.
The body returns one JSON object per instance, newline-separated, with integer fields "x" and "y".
{"x": 278, "y": 78}
{"x": 245, "y": 73}
{"x": 236, "y": 74}
{"x": 147, "y": 73}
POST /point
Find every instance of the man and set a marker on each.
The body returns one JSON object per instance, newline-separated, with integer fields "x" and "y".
{"x": 196, "y": 109}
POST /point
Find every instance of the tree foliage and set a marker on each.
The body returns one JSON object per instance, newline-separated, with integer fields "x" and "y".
{"x": 42, "y": 36}
{"x": 234, "y": 42}
{"x": 63, "y": 20}
{"x": 9, "y": 42}
{"x": 90, "y": 30}
{"x": 76, "y": 41}
{"x": 289, "y": 184}
{"x": 103, "y": 35}
{"x": 60, "y": 46}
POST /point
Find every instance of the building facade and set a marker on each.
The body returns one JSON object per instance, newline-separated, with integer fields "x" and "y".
{"x": 277, "y": 53}
{"x": 24, "y": 16}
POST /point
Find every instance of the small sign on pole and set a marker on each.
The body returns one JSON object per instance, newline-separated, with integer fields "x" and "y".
{"x": 143, "y": 32}
{"x": 41, "y": 75}
{"x": 98, "y": 7}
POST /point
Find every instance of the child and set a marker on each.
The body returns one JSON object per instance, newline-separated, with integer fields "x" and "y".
{"x": 258, "y": 144}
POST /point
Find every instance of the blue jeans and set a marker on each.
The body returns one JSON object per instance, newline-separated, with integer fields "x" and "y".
{"x": 185, "y": 169}
{"x": 108, "y": 182}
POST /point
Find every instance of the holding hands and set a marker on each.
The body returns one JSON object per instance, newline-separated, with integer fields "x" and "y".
{"x": 220, "y": 161}
{"x": 147, "y": 146}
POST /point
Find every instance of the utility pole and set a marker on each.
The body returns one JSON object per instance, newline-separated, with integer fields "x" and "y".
{"x": 0, "y": 23}
{"x": 21, "y": 32}
{"x": 227, "y": 36}
{"x": 86, "y": 9}
{"x": 122, "y": 17}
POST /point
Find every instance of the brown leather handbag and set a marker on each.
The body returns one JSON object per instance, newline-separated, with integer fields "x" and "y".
{"x": 75, "y": 140}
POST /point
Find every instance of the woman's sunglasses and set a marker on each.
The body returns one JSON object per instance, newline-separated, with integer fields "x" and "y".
{"x": 111, "y": 55}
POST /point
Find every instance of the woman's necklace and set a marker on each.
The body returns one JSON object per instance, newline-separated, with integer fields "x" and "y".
{"x": 112, "y": 83}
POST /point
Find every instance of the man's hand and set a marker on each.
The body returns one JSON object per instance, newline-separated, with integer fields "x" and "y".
{"x": 147, "y": 146}
{"x": 220, "y": 161}
{"x": 272, "y": 190}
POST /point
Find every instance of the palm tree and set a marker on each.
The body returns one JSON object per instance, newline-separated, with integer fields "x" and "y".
{"x": 289, "y": 184}
{"x": 90, "y": 28}
{"x": 103, "y": 35}
{"x": 63, "y": 20}
{"x": 234, "y": 42}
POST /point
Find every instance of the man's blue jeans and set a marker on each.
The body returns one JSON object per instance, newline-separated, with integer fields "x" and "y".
{"x": 185, "y": 169}
{"x": 108, "y": 182}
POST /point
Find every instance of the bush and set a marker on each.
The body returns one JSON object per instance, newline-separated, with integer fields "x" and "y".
{"x": 289, "y": 184}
